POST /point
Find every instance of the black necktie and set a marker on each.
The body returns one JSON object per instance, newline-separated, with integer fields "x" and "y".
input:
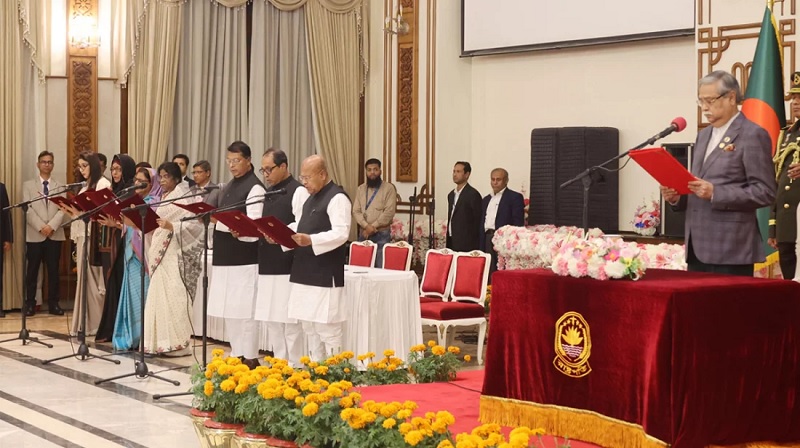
{"x": 45, "y": 190}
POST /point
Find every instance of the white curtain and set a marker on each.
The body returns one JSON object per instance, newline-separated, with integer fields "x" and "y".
{"x": 280, "y": 89}
{"x": 211, "y": 100}
{"x": 125, "y": 35}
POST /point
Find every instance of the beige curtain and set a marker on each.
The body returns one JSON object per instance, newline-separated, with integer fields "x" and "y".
{"x": 11, "y": 139}
{"x": 211, "y": 100}
{"x": 337, "y": 6}
{"x": 127, "y": 30}
{"x": 280, "y": 90}
{"x": 35, "y": 22}
{"x": 152, "y": 82}
{"x": 336, "y": 79}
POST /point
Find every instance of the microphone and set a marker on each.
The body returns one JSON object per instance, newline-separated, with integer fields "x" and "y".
{"x": 279, "y": 191}
{"x": 134, "y": 187}
{"x": 678, "y": 124}
{"x": 75, "y": 184}
{"x": 206, "y": 188}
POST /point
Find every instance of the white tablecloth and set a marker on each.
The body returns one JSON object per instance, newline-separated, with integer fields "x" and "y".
{"x": 382, "y": 308}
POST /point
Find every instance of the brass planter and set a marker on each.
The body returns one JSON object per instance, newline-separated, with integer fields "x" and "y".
{"x": 219, "y": 435}
{"x": 198, "y": 418}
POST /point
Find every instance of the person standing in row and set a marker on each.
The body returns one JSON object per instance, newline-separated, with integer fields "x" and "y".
{"x": 463, "y": 212}
{"x": 374, "y": 208}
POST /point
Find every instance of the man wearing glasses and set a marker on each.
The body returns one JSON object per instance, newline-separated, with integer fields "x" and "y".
{"x": 201, "y": 172}
{"x": 44, "y": 235}
{"x": 734, "y": 177}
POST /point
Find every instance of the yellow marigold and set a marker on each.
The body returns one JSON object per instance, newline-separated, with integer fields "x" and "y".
{"x": 446, "y": 417}
{"x": 321, "y": 370}
{"x": 335, "y": 391}
{"x": 231, "y": 361}
{"x": 495, "y": 439}
{"x": 417, "y": 348}
{"x": 348, "y": 355}
{"x": 404, "y": 428}
{"x": 290, "y": 393}
{"x": 431, "y": 343}
{"x": 413, "y": 437}
{"x": 519, "y": 440}
{"x": 486, "y": 429}
{"x": 410, "y": 405}
{"x": 467, "y": 358}
{"x": 305, "y": 360}
{"x": 454, "y": 350}
{"x": 438, "y": 350}
{"x": 362, "y": 357}
{"x": 287, "y": 370}
{"x": 397, "y": 362}
{"x": 241, "y": 388}
{"x": 208, "y": 388}
{"x": 369, "y": 417}
{"x": 389, "y": 423}
{"x": 310, "y": 409}
{"x": 346, "y": 402}
{"x": 217, "y": 353}
{"x": 403, "y": 414}
{"x": 225, "y": 370}
{"x": 391, "y": 368}
{"x": 347, "y": 413}
{"x": 209, "y": 374}
{"x": 347, "y": 370}
{"x": 445, "y": 444}
{"x": 388, "y": 353}
{"x": 227, "y": 385}
{"x": 389, "y": 410}
{"x": 382, "y": 365}
{"x": 313, "y": 364}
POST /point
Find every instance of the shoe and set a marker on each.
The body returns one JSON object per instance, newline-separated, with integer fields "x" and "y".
{"x": 251, "y": 363}
{"x": 30, "y": 312}
{"x": 57, "y": 311}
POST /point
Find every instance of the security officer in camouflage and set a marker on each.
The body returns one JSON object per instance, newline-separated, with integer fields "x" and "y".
{"x": 783, "y": 219}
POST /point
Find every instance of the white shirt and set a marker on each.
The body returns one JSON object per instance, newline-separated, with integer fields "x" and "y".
{"x": 491, "y": 210}
{"x": 339, "y": 212}
{"x": 456, "y": 194}
{"x": 254, "y": 211}
{"x": 716, "y": 136}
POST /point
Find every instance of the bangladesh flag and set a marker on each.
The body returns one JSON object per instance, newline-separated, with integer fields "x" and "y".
{"x": 763, "y": 102}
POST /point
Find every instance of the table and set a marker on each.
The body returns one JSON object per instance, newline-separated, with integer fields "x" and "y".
{"x": 681, "y": 358}
{"x": 382, "y": 308}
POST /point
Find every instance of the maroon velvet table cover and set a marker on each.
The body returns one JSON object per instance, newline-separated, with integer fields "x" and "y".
{"x": 693, "y": 358}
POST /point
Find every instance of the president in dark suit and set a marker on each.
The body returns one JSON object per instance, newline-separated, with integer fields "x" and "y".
{"x": 733, "y": 165}
{"x": 503, "y": 207}
{"x": 463, "y": 212}
{"x": 6, "y": 237}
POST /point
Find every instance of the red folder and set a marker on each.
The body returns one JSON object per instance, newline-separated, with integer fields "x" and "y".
{"x": 196, "y": 207}
{"x": 62, "y": 201}
{"x": 111, "y": 209}
{"x": 239, "y": 223}
{"x": 664, "y": 168}
{"x": 150, "y": 219}
{"x": 276, "y": 230}
{"x": 82, "y": 202}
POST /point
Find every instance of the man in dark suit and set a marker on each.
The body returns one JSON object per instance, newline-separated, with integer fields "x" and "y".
{"x": 463, "y": 212}
{"x": 734, "y": 177}
{"x": 6, "y": 237}
{"x": 201, "y": 172}
{"x": 503, "y": 207}
{"x": 183, "y": 163}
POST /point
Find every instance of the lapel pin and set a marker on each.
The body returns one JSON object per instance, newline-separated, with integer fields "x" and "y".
{"x": 726, "y": 139}
{"x": 722, "y": 145}
{"x": 729, "y": 148}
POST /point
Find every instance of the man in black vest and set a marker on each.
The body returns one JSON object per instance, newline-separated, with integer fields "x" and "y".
{"x": 284, "y": 334}
{"x": 317, "y": 278}
{"x": 232, "y": 294}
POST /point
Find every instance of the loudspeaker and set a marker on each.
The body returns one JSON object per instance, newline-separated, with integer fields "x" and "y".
{"x": 673, "y": 223}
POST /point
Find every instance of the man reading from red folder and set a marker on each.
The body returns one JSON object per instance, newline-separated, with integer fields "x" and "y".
{"x": 733, "y": 166}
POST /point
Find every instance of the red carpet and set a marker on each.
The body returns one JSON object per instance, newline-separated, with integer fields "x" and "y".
{"x": 460, "y": 397}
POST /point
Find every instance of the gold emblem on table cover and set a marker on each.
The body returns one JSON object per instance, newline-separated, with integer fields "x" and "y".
{"x": 573, "y": 345}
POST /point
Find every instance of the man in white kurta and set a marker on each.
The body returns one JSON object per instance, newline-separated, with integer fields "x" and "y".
{"x": 232, "y": 293}
{"x": 317, "y": 278}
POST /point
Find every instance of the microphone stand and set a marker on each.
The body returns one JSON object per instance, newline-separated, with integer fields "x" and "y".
{"x": 589, "y": 176}
{"x": 83, "y": 349}
{"x": 206, "y": 217}
{"x": 24, "y": 334}
{"x": 413, "y": 200}
{"x": 140, "y": 369}
{"x": 431, "y": 213}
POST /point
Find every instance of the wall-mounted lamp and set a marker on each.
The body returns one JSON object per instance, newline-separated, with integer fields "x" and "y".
{"x": 397, "y": 25}
{"x": 83, "y": 32}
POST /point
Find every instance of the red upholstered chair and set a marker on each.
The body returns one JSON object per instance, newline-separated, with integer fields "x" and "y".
{"x": 465, "y": 307}
{"x": 397, "y": 256}
{"x": 362, "y": 253}
{"x": 437, "y": 276}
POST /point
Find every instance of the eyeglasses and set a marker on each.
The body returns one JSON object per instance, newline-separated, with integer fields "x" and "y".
{"x": 267, "y": 171}
{"x": 116, "y": 169}
{"x": 708, "y": 102}
{"x": 46, "y": 162}
{"x": 233, "y": 161}
{"x": 305, "y": 178}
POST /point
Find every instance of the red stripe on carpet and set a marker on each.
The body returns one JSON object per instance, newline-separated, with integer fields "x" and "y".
{"x": 460, "y": 397}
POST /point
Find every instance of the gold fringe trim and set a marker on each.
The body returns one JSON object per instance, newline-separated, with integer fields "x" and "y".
{"x": 561, "y": 421}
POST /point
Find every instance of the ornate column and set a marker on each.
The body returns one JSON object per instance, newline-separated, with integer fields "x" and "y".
{"x": 407, "y": 94}
{"x": 81, "y": 80}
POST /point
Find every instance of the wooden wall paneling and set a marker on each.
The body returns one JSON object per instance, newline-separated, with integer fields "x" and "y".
{"x": 408, "y": 96}
{"x": 81, "y": 89}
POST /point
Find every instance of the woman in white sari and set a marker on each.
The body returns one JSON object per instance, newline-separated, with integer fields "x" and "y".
{"x": 174, "y": 265}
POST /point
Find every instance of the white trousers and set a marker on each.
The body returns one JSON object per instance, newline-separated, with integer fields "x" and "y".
{"x": 287, "y": 341}
{"x": 324, "y": 340}
{"x": 243, "y": 335}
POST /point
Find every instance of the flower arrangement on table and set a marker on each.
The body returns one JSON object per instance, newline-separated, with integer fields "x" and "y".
{"x": 532, "y": 247}
{"x": 600, "y": 258}
{"x": 647, "y": 218}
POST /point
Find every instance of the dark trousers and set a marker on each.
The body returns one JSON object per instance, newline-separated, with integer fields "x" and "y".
{"x": 695, "y": 265}
{"x": 49, "y": 252}
{"x": 490, "y": 250}
{"x": 2, "y": 255}
{"x": 787, "y": 259}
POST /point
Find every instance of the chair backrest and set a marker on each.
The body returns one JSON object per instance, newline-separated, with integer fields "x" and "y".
{"x": 362, "y": 253}
{"x": 397, "y": 256}
{"x": 471, "y": 276}
{"x": 438, "y": 274}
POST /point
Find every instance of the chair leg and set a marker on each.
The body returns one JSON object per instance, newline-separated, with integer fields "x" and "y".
{"x": 481, "y": 337}
{"x": 442, "y": 333}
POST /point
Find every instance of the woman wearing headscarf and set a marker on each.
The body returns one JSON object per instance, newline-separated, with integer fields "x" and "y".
{"x": 89, "y": 170}
{"x": 127, "y": 330}
{"x": 123, "y": 170}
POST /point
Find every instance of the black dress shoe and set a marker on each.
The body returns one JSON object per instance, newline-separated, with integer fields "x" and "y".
{"x": 30, "y": 312}
{"x": 56, "y": 311}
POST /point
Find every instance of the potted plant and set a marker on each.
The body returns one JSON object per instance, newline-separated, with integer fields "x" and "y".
{"x": 389, "y": 370}
{"x": 320, "y": 410}
{"x": 226, "y": 380}
{"x": 202, "y": 388}
{"x": 381, "y": 424}
{"x": 432, "y": 362}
